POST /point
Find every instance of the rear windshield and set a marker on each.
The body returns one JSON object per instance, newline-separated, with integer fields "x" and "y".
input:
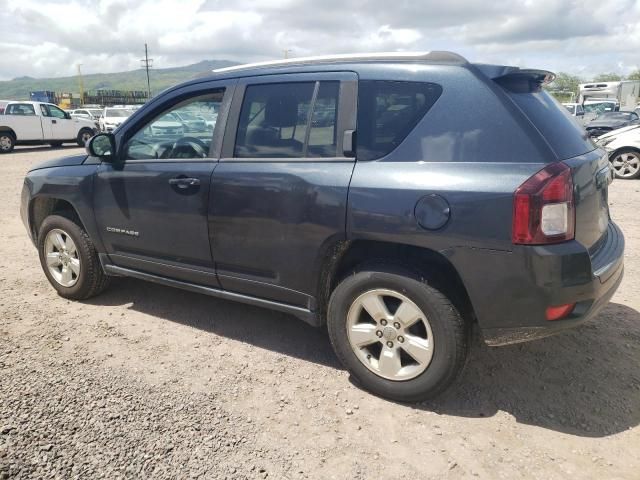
{"x": 388, "y": 111}
{"x": 565, "y": 136}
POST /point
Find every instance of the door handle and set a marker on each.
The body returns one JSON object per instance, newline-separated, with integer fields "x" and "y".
{"x": 184, "y": 182}
{"x": 53, "y": 121}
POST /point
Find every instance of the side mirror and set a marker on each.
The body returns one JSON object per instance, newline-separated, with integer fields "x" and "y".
{"x": 580, "y": 114}
{"x": 67, "y": 115}
{"x": 102, "y": 146}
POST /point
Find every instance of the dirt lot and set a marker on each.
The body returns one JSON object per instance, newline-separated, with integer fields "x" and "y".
{"x": 146, "y": 381}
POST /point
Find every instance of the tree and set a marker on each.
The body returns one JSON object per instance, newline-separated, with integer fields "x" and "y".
{"x": 634, "y": 75}
{"x": 607, "y": 77}
{"x": 564, "y": 86}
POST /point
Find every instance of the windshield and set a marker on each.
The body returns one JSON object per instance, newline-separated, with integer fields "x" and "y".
{"x": 599, "y": 107}
{"x": 112, "y": 112}
{"x": 169, "y": 117}
{"x": 187, "y": 116}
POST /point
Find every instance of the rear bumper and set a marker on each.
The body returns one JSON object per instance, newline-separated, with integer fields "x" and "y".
{"x": 510, "y": 291}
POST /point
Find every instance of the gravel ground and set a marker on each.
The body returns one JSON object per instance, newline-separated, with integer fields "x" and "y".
{"x": 147, "y": 381}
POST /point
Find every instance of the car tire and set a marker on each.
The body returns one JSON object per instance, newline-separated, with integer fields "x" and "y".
{"x": 83, "y": 136}
{"x": 418, "y": 375}
{"x": 87, "y": 279}
{"x": 626, "y": 164}
{"x": 7, "y": 142}
{"x": 55, "y": 144}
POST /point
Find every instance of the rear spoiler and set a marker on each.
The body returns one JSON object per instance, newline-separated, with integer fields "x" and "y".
{"x": 519, "y": 80}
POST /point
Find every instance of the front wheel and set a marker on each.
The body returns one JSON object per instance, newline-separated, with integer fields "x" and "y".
{"x": 626, "y": 164}
{"x": 399, "y": 337}
{"x": 69, "y": 259}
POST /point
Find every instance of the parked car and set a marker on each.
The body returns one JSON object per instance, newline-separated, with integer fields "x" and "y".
{"x": 112, "y": 118}
{"x": 608, "y": 121}
{"x": 192, "y": 123}
{"x": 167, "y": 126}
{"x": 38, "y": 123}
{"x": 623, "y": 147}
{"x": 399, "y": 226}
{"x": 578, "y": 112}
{"x": 90, "y": 113}
{"x": 574, "y": 109}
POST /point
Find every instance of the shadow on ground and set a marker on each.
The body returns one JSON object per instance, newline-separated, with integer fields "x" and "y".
{"x": 583, "y": 382}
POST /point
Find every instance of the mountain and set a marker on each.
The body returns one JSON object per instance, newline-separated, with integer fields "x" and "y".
{"x": 161, "y": 78}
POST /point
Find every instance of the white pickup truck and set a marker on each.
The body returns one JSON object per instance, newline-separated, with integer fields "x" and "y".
{"x": 37, "y": 123}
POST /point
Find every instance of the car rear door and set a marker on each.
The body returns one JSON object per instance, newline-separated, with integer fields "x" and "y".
{"x": 279, "y": 195}
{"x": 151, "y": 206}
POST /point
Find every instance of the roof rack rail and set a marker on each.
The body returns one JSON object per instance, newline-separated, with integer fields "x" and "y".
{"x": 435, "y": 56}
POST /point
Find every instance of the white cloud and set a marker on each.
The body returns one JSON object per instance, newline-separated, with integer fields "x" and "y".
{"x": 49, "y": 37}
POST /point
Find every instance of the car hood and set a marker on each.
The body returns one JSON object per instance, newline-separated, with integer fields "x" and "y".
{"x": 607, "y": 123}
{"x": 69, "y": 161}
{"x": 621, "y": 131}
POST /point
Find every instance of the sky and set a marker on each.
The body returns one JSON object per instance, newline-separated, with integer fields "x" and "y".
{"x": 48, "y": 38}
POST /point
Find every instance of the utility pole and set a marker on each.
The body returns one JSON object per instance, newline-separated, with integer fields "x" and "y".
{"x": 81, "y": 84}
{"x": 147, "y": 63}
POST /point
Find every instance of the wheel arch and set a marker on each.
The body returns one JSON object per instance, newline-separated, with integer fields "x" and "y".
{"x": 41, "y": 207}
{"x": 430, "y": 265}
{"x": 5, "y": 129}
{"x": 620, "y": 149}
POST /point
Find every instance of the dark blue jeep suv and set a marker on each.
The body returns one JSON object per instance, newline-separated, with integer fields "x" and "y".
{"x": 398, "y": 199}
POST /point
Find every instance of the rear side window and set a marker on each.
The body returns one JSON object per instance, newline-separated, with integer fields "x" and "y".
{"x": 563, "y": 134}
{"x": 288, "y": 120}
{"x": 388, "y": 111}
{"x": 21, "y": 109}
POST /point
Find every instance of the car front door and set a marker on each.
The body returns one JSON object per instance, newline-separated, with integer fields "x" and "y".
{"x": 62, "y": 128}
{"x": 279, "y": 194}
{"x": 151, "y": 203}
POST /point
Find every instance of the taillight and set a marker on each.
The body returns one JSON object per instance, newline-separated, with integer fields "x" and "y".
{"x": 543, "y": 210}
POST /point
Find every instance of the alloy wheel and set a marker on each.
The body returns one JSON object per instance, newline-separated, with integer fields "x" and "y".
{"x": 62, "y": 257}
{"x": 390, "y": 335}
{"x": 626, "y": 165}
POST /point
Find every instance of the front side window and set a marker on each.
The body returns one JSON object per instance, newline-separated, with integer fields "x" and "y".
{"x": 56, "y": 112}
{"x": 184, "y": 131}
{"x": 288, "y": 120}
{"x": 388, "y": 111}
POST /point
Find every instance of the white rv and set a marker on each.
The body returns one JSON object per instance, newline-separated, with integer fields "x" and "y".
{"x": 622, "y": 95}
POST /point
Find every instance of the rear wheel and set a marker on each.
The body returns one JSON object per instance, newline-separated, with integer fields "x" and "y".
{"x": 7, "y": 142}
{"x": 69, "y": 259}
{"x": 83, "y": 136}
{"x": 626, "y": 164}
{"x": 399, "y": 337}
